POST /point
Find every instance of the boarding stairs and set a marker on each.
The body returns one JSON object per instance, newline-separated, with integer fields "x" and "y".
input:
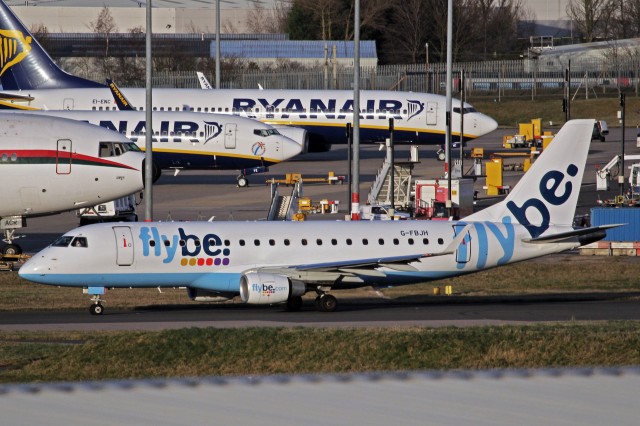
{"x": 283, "y": 207}
{"x": 380, "y": 192}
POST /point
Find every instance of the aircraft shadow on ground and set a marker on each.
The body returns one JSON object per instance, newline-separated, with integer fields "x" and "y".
{"x": 364, "y": 304}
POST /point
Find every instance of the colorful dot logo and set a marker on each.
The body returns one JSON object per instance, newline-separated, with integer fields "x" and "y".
{"x": 258, "y": 149}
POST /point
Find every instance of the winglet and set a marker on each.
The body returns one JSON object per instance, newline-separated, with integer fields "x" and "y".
{"x": 121, "y": 101}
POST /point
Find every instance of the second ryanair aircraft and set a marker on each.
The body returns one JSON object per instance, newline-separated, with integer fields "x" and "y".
{"x": 188, "y": 140}
{"x": 31, "y": 80}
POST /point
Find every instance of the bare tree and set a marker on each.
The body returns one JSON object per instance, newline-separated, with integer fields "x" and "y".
{"x": 591, "y": 17}
{"x": 104, "y": 26}
{"x": 268, "y": 21}
{"x": 408, "y": 31}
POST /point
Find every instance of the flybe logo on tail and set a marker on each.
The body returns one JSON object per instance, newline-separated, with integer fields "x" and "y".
{"x": 14, "y": 47}
{"x": 550, "y": 184}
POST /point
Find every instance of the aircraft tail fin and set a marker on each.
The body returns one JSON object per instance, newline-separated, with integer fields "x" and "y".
{"x": 122, "y": 102}
{"x": 548, "y": 193}
{"x": 25, "y": 65}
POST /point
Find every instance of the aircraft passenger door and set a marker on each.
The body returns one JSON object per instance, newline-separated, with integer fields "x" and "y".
{"x": 230, "y": 135}
{"x": 463, "y": 251}
{"x": 63, "y": 157}
{"x": 124, "y": 245}
{"x": 432, "y": 113}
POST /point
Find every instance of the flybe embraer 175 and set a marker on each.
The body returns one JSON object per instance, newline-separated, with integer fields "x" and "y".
{"x": 279, "y": 262}
{"x": 188, "y": 140}
{"x": 49, "y": 165}
{"x": 31, "y": 80}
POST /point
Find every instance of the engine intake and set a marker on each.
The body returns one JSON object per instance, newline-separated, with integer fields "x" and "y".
{"x": 264, "y": 289}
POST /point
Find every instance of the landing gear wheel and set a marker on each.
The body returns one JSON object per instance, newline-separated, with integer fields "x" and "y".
{"x": 441, "y": 155}
{"x": 96, "y": 309}
{"x": 294, "y": 304}
{"x": 327, "y": 303}
{"x": 243, "y": 181}
{"x": 11, "y": 249}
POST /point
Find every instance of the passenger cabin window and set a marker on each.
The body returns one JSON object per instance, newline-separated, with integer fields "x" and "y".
{"x": 440, "y": 241}
{"x": 241, "y": 242}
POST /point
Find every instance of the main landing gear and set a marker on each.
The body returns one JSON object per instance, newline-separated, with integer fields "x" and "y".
{"x": 325, "y": 302}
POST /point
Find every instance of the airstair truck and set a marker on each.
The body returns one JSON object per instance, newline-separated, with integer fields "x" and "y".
{"x": 120, "y": 210}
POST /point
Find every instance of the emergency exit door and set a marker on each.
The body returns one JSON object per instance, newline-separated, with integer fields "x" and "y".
{"x": 124, "y": 245}
{"x": 463, "y": 251}
{"x": 63, "y": 157}
{"x": 230, "y": 135}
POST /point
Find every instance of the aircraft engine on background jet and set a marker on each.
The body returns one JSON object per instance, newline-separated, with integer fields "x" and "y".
{"x": 263, "y": 288}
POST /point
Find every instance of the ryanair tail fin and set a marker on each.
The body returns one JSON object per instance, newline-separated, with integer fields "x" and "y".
{"x": 547, "y": 194}
{"x": 24, "y": 65}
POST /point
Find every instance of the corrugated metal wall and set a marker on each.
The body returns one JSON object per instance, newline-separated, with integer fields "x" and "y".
{"x": 630, "y": 216}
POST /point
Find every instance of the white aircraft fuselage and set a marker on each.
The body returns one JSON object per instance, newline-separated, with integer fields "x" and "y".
{"x": 188, "y": 140}
{"x": 53, "y": 164}
{"x": 419, "y": 118}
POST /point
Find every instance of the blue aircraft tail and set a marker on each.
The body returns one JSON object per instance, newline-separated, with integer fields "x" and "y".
{"x": 24, "y": 65}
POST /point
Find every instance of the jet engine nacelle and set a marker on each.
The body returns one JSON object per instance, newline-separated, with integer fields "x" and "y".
{"x": 263, "y": 288}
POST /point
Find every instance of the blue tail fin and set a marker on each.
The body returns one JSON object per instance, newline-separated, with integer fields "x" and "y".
{"x": 24, "y": 65}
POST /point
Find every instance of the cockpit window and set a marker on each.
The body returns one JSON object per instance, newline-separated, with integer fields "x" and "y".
{"x": 265, "y": 132}
{"x": 467, "y": 110}
{"x": 62, "y": 241}
{"x": 114, "y": 149}
{"x": 79, "y": 242}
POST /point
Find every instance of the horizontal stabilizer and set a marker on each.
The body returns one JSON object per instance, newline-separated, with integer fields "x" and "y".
{"x": 596, "y": 231}
{"x": 15, "y": 97}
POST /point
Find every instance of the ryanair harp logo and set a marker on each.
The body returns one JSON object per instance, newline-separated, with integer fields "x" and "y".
{"x": 11, "y": 41}
{"x": 211, "y": 130}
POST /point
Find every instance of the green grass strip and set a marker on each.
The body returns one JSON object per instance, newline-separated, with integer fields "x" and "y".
{"x": 35, "y": 357}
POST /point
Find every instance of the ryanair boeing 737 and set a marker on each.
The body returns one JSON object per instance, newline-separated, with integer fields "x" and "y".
{"x": 31, "y": 80}
{"x": 278, "y": 262}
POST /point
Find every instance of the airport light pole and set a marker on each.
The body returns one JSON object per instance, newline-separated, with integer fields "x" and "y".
{"x": 447, "y": 150}
{"x": 148, "y": 145}
{"x": 217, "y": 44}
{"x": 355, "y": 191}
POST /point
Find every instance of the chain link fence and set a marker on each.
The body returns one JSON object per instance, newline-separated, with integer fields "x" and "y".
{"x": 532, "y": 78}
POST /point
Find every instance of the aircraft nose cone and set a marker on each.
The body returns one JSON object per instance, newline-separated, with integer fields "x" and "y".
{"x": 487, "y": 125}
{"x": 290, "y": 148}
{"x": 31, "y": 269}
